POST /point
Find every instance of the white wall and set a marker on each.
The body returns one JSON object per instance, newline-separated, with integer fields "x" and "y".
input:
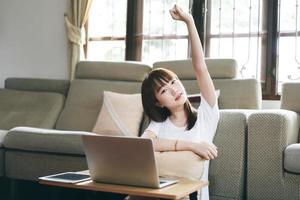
{"x": 33, "y": 41}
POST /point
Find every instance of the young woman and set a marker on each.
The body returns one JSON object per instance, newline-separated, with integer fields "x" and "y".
{"x": 175, "y": 125}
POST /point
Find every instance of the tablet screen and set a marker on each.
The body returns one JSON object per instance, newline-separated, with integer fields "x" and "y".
{"x": 67, "y": 177}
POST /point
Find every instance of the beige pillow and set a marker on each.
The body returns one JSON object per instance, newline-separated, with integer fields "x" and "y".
{"x": 185, "y": 164}
{"x": 121, "y": 114}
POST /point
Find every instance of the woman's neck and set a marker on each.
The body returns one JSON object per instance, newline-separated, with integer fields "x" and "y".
{"x": 179, "y": 118}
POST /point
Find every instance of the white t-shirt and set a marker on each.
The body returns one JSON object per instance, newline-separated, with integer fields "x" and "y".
{"x": 203, "y": 130}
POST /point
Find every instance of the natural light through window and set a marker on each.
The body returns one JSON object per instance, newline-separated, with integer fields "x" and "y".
{"x": 262, "y": 36}
{"x": 161, "y": 37}
{"x": 289, "y": 42}
{"x": 164, "y": 38}
{"x": 236, "y": 32}
{"x": 107, "y": 30}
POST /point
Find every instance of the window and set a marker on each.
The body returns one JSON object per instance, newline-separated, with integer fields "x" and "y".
{"x": 136, "y": 30}
{"x": 289, "y": 42}
{"x": 107, "y": 30}
{"x": 236, "y": 31}
{"x": 261, "y": 35}
{"x": 163, "y": 38}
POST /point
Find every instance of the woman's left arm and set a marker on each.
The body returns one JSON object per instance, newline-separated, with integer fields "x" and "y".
{"x": 204, "y": 80}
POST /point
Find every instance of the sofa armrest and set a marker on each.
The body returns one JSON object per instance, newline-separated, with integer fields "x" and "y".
{"x": 269, "y": 133}
{"x": 44, "y": 140}
{"x": 292, "y": 158}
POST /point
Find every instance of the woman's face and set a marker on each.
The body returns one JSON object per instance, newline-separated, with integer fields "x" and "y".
{"x": 171, "y": 94}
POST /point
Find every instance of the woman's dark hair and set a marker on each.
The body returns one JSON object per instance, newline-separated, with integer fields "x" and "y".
{"x": 154, "y": 80}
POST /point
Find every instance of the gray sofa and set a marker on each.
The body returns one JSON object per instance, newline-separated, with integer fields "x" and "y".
{"x": 274, "y": 149}
{"x": 52, "y": 114}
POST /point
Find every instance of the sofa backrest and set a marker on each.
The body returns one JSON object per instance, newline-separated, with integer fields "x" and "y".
{"x": 38, "y": 85}
{"x": 92, "y": 78}
{"x": 85, "y": 96}
{"x": 234, "y": 93}
{"x": 28, "y": 108}
{"x": 290, "y": 98}
{"x": 31, "y": 102}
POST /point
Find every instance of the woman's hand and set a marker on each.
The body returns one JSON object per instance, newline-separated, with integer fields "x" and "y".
{"x": 205, "y": 150}
{"x": 178, "y": 14}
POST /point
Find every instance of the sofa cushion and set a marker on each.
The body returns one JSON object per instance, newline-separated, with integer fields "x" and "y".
{"x": 292, "y": 158}
{"x": 92, "y": 78}
{"x": 121, "y": 114}
{"x": 290, "y": 99}
{"x": 108, "y": 70}
{"x": 23, "y": 108}
{"x": 234, "y": 93}
{"x": 171, "y": 164}
{"x": 218, "y": 68}
{"x": 85, "y": 98}
{"x": 38, "y": 85}
{"x": 44, "y": 140}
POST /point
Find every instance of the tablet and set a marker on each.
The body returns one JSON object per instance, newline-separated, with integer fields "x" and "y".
{"x": 67, "y": 177}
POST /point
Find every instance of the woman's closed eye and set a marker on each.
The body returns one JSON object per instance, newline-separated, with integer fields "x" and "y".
{"x": 163, "y": 91}
{"x": 173, "y": 81}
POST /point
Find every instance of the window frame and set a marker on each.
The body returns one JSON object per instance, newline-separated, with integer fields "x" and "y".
{"x": 134, "y": 33}
{"x": 269, "y": 67}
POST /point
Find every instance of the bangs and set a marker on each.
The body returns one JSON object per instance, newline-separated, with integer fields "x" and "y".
{"x": 160, "y": 77}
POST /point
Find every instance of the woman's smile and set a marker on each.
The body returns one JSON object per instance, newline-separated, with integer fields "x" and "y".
{"x": 178, "y": 96}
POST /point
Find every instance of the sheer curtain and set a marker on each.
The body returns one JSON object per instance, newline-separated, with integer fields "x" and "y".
{"x": 75, "y": 19}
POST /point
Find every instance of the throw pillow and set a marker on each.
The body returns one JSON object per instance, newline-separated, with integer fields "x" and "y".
{"x": 120, "y": 114}
{"x": 185, "y": 164}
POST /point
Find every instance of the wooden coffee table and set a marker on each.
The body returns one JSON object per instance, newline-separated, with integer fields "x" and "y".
{"x": 176, "y": 191}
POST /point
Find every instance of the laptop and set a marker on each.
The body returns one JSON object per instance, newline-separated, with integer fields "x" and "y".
{"x": 123, "y": 160}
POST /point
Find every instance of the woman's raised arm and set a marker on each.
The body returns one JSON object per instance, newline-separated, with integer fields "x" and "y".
{"x": 204, "y": 80}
